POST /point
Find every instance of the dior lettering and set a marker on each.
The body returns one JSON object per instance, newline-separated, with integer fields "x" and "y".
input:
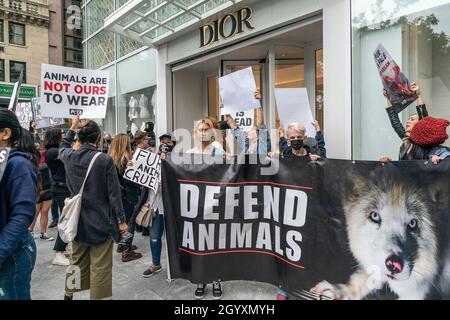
{"x": 225, "y": 27}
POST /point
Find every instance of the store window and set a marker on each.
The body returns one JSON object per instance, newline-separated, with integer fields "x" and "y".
{"x": 2, "y": 31}
{"x": 416, "y": 34}
{"x": 15, "y": 68}
{"x": 17, "y": 33}
{"x": 2, "y": 70}
{"x": 109, "y": 122}
{"x": 136, "y": 81}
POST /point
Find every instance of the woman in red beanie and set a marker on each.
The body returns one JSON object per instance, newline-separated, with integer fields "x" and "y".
{"x": 408, "y": 150}
{"x": 430, "y": 133}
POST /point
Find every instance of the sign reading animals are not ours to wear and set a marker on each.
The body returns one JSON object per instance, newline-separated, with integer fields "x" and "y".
{"x": 145, "y": 170}
{"x": 66, "y": 92}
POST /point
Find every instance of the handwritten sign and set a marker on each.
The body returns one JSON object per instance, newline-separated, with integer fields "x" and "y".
{"x": 146, "y": 169}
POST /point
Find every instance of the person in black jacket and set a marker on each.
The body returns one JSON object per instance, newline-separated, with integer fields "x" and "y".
{"x": 102, "y": 218}
{"x": 294, "y": 143}
{"x": 408, "y": 149}
{"x": 120, "y": 152}
{"x": 59, "y": 188}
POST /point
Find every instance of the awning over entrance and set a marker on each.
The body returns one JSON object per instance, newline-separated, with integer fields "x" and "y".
{"x": 149, "y": 21}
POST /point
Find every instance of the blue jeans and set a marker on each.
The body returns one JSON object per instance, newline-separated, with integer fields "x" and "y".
{"x": 156, "y": 232}
{"x": 15, "y": 272}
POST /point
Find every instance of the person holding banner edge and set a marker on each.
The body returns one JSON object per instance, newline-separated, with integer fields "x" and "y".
{"x": 18, "y": 190}
{"x": 294, "y": 144}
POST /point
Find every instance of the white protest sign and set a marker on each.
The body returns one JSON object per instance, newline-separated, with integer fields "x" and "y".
{"x": 293, "y": 106}
{"x": 24, "y": 114}
{"x": 237, "y": 91}
{"x": 15, "y": 93}
{"x": 245, "y": 119}
{"x": 145, "y": 170}
{"x": 66, "y": 92}
{"x": 39, "y": 119}
{"x": 4, "y": 152}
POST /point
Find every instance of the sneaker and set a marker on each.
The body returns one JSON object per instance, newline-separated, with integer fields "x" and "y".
{"x": 44, "y": 237}
{"x": 200, "y": 291}
{"x": 121, "y": 248}
{"x": 53, "y": 224}
{"x": 151, "y": 271}
{"x": 130, "y": 256}
{"x": 217, "y": 290}
{"x": 61, "y": 260}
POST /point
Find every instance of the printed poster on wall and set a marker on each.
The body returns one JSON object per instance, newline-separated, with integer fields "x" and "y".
{"x": 67, "y": 92}
{"x": 394, "y": 81}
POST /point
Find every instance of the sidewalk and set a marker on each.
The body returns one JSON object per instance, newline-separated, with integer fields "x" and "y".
{"x": 128, "y": 283}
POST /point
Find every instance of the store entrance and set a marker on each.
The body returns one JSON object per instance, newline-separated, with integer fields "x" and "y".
{"x": 291, "y": 60}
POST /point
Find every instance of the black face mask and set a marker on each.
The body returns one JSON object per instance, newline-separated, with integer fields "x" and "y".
{"x": 297, "y": 144}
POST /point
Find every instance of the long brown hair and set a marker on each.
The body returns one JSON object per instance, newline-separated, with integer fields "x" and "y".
{"x": 120, "y": 150}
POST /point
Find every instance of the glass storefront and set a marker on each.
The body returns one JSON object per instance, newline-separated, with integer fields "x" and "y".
{"x": 416, "y": 34}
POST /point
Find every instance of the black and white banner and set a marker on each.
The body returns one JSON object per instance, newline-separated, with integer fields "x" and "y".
{"x": 335, "y": 228}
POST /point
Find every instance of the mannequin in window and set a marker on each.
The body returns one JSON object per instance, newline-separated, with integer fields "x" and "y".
{"x": 133, "y": 113}
{"x": 143, "y": 107}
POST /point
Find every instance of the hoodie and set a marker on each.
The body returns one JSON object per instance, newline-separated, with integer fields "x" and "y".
{"x": 18, "y": 189}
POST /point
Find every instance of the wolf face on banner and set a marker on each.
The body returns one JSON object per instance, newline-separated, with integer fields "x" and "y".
{"x": 393, "y": 227}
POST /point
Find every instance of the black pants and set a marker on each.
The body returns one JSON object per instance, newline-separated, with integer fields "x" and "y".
{"x": 60, "y": 246}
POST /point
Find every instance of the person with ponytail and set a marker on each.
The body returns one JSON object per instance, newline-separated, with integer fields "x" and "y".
{"x": 18, "y": 190}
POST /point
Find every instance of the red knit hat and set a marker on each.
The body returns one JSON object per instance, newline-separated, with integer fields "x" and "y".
{"x": 430, "y": 132}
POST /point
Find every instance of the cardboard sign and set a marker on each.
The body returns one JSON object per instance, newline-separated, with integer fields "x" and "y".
{"x": 39, "y": 119}
{"x": 4, "y": 153}
{"x": 146, "y": 169}
{"x": 237, "y": 91}
{"x": 67, "y": 92}
{"x": 293, "y": 106}
{"x": 24, "y": 114}
{"x": 394, "y": 81}
{"x": 245, "y": 119}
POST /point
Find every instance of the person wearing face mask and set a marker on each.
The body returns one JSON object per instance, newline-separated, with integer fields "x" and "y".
{"x": 293, "y": 143}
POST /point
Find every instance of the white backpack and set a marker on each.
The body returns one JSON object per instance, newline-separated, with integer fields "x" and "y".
{"x": 68, "y": 222}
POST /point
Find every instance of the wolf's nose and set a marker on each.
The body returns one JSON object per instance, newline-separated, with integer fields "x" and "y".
{"x": 394, "y": 264}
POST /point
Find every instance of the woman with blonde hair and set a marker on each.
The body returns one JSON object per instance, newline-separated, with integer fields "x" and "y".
{"x": 120, "y": 152}
{"x": 204, "y": 137}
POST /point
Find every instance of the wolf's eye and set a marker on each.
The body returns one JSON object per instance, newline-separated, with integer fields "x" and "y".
{"x": 412, "y": 225}
{"x": 375, "y": 217}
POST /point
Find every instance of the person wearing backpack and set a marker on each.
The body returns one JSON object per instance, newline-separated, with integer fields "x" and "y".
{"x": 101, "y": 217}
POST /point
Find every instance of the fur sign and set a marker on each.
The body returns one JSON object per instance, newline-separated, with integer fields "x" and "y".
{"x": 4, "y": 152}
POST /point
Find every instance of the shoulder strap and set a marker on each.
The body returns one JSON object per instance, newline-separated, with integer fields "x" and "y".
{"x": 89, "y": 170}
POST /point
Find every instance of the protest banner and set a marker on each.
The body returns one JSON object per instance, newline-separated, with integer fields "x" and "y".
{"x": 343, "y": 229}
{"x": 293, "y": 106}
{"x": 66, "y": 92}
{"x": 145, "y": 170}
{"x": 237, "y": 91}
{"x": 15, "y": 93}
{"x": 39, "y": 119}
{"x": 24, "y": 114}
{"x": 245, "y": 119}
{"x": 4, "y": 153}
{"x": 394, "y": 81}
